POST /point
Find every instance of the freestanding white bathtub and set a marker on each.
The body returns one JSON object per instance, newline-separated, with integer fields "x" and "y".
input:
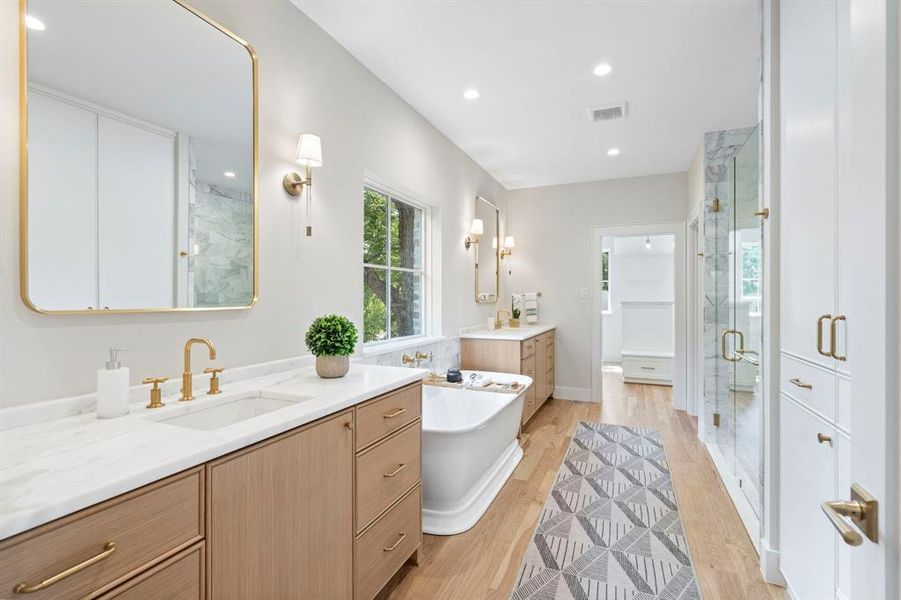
{"x": 469, "y": 450}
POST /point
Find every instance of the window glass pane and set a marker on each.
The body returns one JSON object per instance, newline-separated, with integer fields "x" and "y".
{"x": 406, "y": 303}
{"x": 375, "y": 224}
{"x": 750, "y": 288}
{"x": 375, "y": 317}
{"x": 406, "y": 235}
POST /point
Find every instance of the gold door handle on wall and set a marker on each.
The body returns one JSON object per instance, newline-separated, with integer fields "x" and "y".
{"x": 741, "y": 345}
{"x": 400, "y": 468}
{"x": 797, "y": 381}
{"x": 24, "y": 588}
{"x": 863, "y": 511}
{"x": 395, "y": 544}
{"x": 833, "y": 342}
{"x": 820, "y": 334}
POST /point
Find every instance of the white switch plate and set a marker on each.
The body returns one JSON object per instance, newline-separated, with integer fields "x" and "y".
{"x": 583, "y": 293}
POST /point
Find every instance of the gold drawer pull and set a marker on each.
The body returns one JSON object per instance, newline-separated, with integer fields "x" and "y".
{"x": 391, "y": 415}
{"x": 797, "y": 381}
{"x": 396, "y": 544}
{"x": 400, "y": 468}
{"x": 823, "y": 438}
{"x": 24, "y": 588}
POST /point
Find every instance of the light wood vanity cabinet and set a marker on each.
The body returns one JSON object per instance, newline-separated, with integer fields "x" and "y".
{"x": 330, "y": 510}
{"x": 281, "y": 515}
{"x": 534, "y": 357}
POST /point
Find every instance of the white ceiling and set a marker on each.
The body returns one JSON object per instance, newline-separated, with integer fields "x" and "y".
{"x": 685, "y": 66}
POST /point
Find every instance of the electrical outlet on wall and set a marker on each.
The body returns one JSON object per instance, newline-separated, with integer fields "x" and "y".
{"x": 583, "y": 293}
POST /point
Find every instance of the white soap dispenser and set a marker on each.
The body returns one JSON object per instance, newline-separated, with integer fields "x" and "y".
{"x": 112, "y": 387}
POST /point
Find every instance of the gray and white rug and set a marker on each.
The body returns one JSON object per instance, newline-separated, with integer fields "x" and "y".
{"x": 610, "y": 529}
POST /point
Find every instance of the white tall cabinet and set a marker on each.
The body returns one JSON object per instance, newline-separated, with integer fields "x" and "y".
{"x": 815, "y": 431}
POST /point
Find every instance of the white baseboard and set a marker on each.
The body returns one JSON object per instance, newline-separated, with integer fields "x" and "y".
{"x": 572, "y": 393}
{"x": 769, "y": 564}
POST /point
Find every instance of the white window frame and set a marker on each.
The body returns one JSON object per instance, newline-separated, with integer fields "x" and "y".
{"x": 609, "y": 309}
{"x": 741, "y": 282}
{"x": 428, "y": 270}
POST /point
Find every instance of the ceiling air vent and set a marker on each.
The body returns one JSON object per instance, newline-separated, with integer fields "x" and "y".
{"x": 607, "y": 112}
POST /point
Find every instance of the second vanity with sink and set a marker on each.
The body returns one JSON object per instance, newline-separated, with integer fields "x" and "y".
{"x": 287, "y": 485}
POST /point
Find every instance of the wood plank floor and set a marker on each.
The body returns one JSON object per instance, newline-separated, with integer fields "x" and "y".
{"x": 482, "y": 563}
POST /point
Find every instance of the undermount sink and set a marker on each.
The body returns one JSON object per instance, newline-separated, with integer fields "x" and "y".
{"x": 231, "y": 411}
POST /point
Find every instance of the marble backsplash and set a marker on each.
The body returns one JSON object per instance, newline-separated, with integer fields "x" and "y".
{"x": 445, "y": 354}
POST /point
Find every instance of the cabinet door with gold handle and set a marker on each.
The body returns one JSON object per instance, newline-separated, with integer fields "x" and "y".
{"x": 833, "y": 337}
{"x": 29, "y": 588}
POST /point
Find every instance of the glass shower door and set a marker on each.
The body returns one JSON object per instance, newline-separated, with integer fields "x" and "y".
{"x": 745, "y": 307}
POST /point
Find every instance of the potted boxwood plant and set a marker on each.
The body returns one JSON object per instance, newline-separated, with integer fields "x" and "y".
{"x": 332, "y": 339}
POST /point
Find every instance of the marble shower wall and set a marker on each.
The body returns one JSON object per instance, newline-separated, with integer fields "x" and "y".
{"x": 220, "y": 242}
{"x": 720, "y": 147}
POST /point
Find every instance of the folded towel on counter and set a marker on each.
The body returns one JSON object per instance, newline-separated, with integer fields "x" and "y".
{"x": 531, "y": 300}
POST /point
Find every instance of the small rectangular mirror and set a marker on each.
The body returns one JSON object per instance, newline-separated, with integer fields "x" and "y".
{"x": 139, "y": 159}
{"x": 488, "y": 260}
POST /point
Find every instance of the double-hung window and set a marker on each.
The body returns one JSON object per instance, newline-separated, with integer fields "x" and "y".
{"x": 751, "y": 275}
{"x": 394, "y": 232}
{"x": 605, "y": 281}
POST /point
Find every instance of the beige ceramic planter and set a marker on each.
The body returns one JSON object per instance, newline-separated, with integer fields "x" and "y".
{"x": 330, "y": 367}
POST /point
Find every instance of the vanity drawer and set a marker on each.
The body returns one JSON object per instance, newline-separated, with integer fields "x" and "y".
{"x": 811, "y": 385}
{"x": 146, "y": 526}
{"x": 383, "y": 548}
{"x": 527, "y": 348}
{"x": 178, "y": 578}
{"x": 647, "y": 367}
{"x": 386, "y": 471}
{"x": 386, "y": 414}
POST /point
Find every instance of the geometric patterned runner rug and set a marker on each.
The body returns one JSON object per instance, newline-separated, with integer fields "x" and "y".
{"x": 610, "y": 529}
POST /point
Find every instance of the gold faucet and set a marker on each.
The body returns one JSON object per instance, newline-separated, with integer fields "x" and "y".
{"x": 187, "y": 391}
{"x": 497, "y": 318}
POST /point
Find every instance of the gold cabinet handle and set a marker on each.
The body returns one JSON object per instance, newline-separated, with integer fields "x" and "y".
{"x": 823, "y": 438}
{"x": 400, "y": 468}
{"x": 863, "y": 511}
{"x": 24, "y": 588}
{"x": 397, "y": 412}
{"x": 833, "y": 342}
{"x": 820, "y": 334}
{"x": 797, "y": 381}
{"x": 395, "y": 544}
{"x": 739, "y": 348}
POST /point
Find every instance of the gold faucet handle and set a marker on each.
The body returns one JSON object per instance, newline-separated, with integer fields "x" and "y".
{"x": 156, "y": 394}
{"x": 214, "y": 380}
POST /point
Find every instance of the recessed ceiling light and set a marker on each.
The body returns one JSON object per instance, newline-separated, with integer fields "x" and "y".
{"x": 613, "y": 152}
{"x": 34, "y": 23}
{"x": 229, "y": 173}
{"x": 602, "y": 69}
{"x": 471, "y": 94}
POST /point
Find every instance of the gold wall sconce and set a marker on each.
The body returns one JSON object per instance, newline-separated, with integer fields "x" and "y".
{"x": 309, "y": 154}
{"x": 475, "y": 233}
{"x": 509, "y": 245}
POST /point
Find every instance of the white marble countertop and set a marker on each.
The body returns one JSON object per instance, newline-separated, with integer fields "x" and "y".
{"x": 54, "y": 468}
{"x": 520, "y": 333}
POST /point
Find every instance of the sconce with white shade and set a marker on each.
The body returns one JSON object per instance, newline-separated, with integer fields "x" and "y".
{"x": 509, "y": 245}
{"x": 309, "y": 154}
{"x": 475, "y": 233}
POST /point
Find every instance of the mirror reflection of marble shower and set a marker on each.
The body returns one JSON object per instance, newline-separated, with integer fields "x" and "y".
{"x": 733, "y": 274}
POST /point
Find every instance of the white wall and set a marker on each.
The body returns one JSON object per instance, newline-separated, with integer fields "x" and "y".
{"x": 553, "y": 227}
{"x": 636, "y": 275}
{"x": 696, "y": 180}
{"x": 308, "y": 83}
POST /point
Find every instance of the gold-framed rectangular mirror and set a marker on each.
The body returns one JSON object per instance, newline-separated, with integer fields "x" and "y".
{"x": 487, "y": 255}
{"x": 138, "y": 159}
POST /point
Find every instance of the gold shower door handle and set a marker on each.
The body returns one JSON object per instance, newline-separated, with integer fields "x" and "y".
{"x": 833, "y": 342}
{"x": 820, "y": 334}
{"x": 862, "y": 509}
{"x": 738, "y": 348}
